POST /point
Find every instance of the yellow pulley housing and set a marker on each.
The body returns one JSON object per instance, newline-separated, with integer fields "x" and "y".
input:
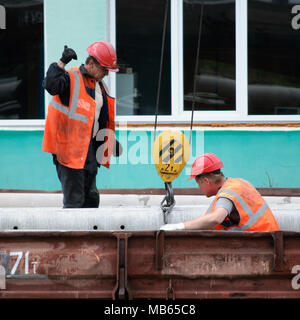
{"x": 170, "y": 152}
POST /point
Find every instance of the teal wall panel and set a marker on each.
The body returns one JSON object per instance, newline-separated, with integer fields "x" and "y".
{"x": 265, "y": 158}
{"x": 22, "y": 164}
{"x": 75, "y": 23}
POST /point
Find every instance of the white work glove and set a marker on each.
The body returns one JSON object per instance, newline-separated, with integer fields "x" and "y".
{"x": 172, "y": 226}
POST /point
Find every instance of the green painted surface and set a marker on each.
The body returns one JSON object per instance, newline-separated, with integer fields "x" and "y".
{"x": 23, "y": 165}
{"x": 265, "y": 158}
{"x": 73, "y": 24}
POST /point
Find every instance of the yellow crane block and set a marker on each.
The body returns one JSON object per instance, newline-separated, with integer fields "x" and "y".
{"x": 170, "y": 152}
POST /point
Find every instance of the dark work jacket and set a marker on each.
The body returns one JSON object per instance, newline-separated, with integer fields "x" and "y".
{"x": 57, "y": 81}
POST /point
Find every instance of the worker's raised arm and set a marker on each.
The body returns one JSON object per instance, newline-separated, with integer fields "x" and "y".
{"x": 57, "y": 80}
{"x": 67, "y": 55}
{"x": 202, "y": 223}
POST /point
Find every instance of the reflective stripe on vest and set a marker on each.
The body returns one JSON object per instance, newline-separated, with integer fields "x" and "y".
{"x": 253, "y": 217}
{"x": 254, "y": 212}
{"x": 71, "y": 112}
{"x": 68, "y": 128}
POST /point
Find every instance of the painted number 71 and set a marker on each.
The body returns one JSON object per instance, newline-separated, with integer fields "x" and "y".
{"x": 19, "y": 255}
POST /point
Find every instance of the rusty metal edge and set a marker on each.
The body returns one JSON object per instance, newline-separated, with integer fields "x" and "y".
{"x": 160, "y": 237}
{"x": 278, "y": 251}
{"x": 40, "y": 295}
{"x": 57, "y": 234}
{"x": 229, "y": 295}
{"x": 159, "y": 249}
{"x": 121, "y": 290}
{"x": 152, "y": 233}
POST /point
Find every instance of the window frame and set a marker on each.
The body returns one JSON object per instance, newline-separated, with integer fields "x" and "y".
{"x": 178, "y": 115}
{"x": 29, "y": 124}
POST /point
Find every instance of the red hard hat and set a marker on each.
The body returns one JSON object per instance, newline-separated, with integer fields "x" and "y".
{"x": 207, "y": 162}
{"x": 105, "y": 54}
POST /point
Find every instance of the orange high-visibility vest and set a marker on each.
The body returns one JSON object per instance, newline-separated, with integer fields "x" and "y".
{"x": 68, "y": 129}
{"x": 255, "y": 214}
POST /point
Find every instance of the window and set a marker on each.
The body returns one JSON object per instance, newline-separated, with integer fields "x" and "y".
{"x": 247, "y": 63}
{"x": 139, "y": 34}
{"x": 273, "y": 59}
{"x": 211, "y": 26}
{"x": 22, "y": 61}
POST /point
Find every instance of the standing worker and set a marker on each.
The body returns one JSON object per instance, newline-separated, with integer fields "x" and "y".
{"x": 80, "y": 124}
{"x": 238, "y": 206}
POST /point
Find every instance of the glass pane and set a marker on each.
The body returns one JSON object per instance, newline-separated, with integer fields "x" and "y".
{"x": 22, "y": 61}
{"x": 139, "y": 40}
{"x": 273, "y": 58}
{"x": 215, "y": 77}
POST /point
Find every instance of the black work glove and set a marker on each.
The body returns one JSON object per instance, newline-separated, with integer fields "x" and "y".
{"x": 118, "y": 149}
{"x": 67, "y": 55}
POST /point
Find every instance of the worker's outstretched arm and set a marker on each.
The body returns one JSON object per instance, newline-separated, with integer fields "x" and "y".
{"x": 202, "y": 223}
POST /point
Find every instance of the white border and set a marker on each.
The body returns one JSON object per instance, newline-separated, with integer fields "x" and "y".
{"x": 111, "y": 37}
{"x": 176, "y": 57}
{"x": 241, "y": 57}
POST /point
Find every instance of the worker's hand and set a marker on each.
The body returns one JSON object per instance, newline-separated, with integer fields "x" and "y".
{"x": 118, "y": 149}
{"x": 67, "y": 55}
{"x": 172, "y": 226}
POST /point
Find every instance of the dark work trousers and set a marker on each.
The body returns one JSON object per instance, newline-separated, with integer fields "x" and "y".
{"x": 78, "y": 187}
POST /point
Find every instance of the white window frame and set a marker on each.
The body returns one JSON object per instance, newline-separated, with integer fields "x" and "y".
{"x": 29, "y": 124}
{"x": 178, "y": 115}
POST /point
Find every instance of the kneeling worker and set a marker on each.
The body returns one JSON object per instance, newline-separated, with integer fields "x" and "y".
{"x": 237, "y": 206}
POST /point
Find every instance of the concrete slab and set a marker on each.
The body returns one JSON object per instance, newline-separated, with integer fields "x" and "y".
{"x": 119, "y": 218}
{"x": 20, "y": 200}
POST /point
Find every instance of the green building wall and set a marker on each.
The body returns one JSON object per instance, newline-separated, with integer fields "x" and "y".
{"x": 74, "y": 23}
{"x": 265, "y": 158}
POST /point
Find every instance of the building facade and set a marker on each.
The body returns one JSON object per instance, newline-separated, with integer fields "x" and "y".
{"x": 234, "y": 62}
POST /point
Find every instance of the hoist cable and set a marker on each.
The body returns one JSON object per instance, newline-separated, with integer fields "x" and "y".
{"x": 161, "y": 64}
{"x": 196, "y": 70}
